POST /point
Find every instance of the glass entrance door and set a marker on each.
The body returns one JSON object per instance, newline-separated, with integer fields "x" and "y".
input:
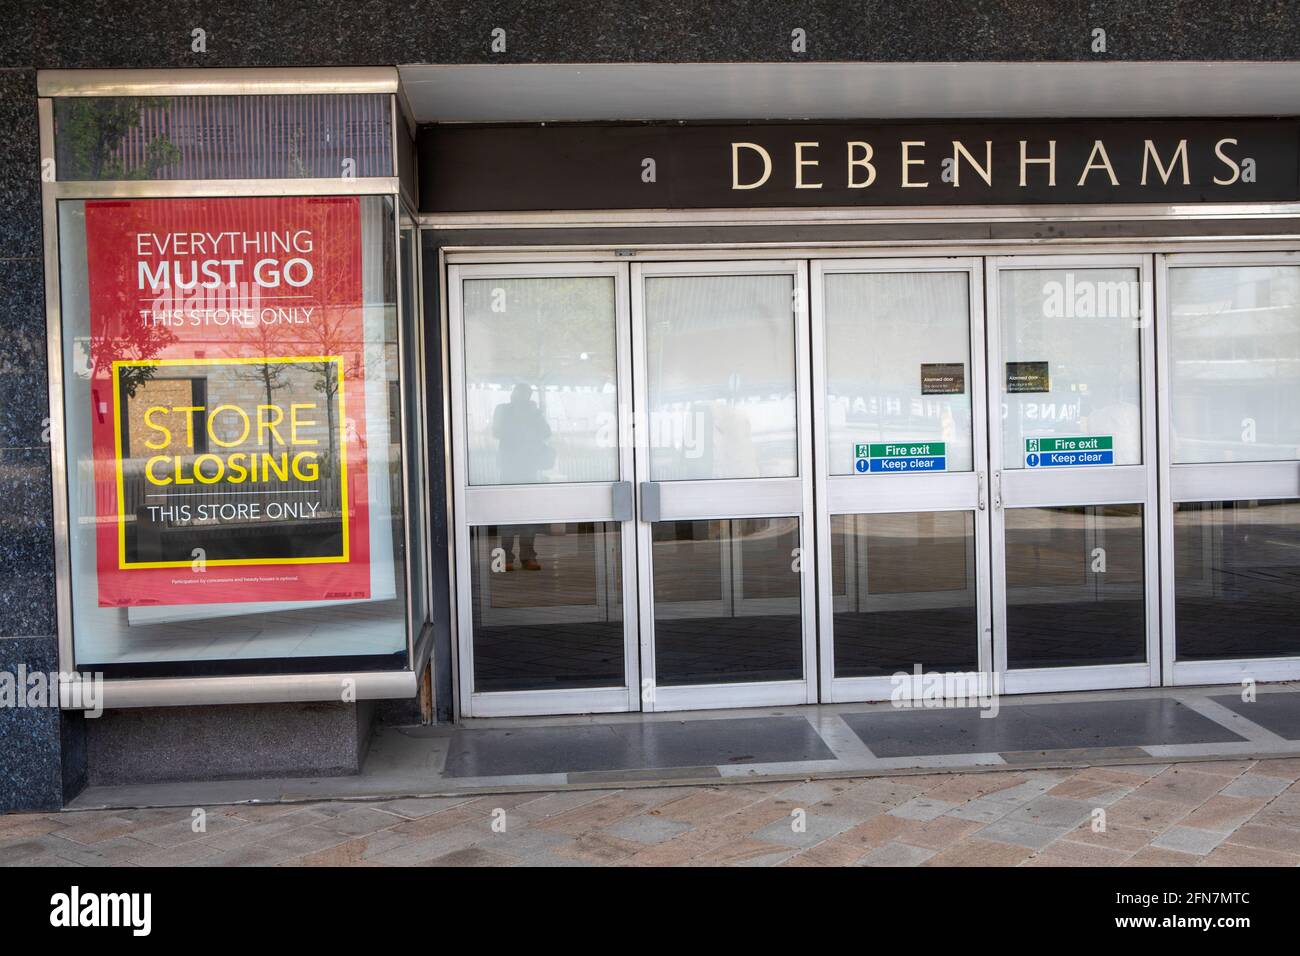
{"x": 632, "y": 547}
{"x": 545, "y": 550}
{"x": 647, "y": 519}
{"x": 898, "y": 355}
{"x": 725, "y": 489}
{"x": 1073, "y": 458}
{"x": 1229, "y": 335}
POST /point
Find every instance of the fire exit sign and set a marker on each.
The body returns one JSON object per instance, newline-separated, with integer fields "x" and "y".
{"x": 1069, "y": 452}
{"x": 882, "y": 458}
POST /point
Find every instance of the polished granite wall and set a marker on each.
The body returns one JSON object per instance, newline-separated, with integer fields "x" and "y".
{"x": 43, "y": 753}
{"x": 103, "y": 33}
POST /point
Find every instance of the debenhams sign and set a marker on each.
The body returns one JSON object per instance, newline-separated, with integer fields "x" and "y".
{"x": 678, "y": 166}
{"x": 915, "y": 155}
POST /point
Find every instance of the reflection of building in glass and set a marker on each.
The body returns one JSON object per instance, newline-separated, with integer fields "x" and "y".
{"x": 222, "y": 137}
{"x": 1235, "y": 363}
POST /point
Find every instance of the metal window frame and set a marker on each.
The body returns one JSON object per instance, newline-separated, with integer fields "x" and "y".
{"x": 422, "y": 631}
{"x": 450, "y": 498}
{"x": 258, "y": 688}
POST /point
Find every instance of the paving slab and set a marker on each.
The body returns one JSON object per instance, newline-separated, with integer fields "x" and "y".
{"x": 1170, "y": 815}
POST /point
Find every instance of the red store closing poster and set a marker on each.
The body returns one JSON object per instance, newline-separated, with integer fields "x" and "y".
{"x": 227, "y": 379}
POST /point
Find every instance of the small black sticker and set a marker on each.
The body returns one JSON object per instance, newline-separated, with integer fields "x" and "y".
{"x": 1028, "y": 377}
{"x": 943, "y": 378}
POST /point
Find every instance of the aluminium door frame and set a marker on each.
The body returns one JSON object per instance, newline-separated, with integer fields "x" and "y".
{"x": 1118, "y": 484}
{"x": 708, "y": 499}
{"x": 1219, "y": 481}
{"x": 952, "y": 491}
{"x": 538, "y": 504}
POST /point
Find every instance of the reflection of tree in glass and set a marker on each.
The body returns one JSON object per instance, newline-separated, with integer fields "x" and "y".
{"x": 337, "y": 328}
{"x": 269, "y": 375}
{"x": 91, "y": 130}
{"x": 553, "y": 331}
{"x": 328, "y": 336}
{"x": 296, "y": 162}
{"x": 127, "y": 341}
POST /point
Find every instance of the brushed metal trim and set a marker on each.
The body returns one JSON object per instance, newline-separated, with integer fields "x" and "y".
{"x": 54, "y": 367}
{"x": 860, "y": 215}
{"x": 423, "y": 656}
{"x": 180, "y": 188}
{"x": 408, "y": 532}
{"x": 885, "y": 248}
{"x": 257, "y": 689}
{"x": 217, "y": 81}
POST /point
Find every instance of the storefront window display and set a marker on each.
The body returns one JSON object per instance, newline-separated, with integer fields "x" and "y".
{"x": 232, "y": 389}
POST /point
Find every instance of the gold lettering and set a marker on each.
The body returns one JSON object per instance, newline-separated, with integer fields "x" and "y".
{"x": 1149, "y": 152}
{"x": 1050, "y": 160}
{"x": 1227, "y": 161}
{"x": 985, "y": 171}
{"x": 907, "y": 161}
{"x": 735, "y": 165}
{"x": 800, "y": 163}
{"x": 1098, "y": 147}
{"x": 867, "y": 153}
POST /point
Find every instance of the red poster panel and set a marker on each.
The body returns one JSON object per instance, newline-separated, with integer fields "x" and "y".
{"x": 228, "y": 392}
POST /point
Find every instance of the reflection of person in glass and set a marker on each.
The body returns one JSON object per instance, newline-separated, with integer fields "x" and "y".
{"x": 1106, "y": 410}
{"x": 523, "y": 451}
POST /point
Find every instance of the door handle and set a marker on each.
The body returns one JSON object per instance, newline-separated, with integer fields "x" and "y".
{"x": 979, "y": 489}
{"x": 650, "y": 506}
{"x": 621, "y": 501}
{"x": 997, "y": 491}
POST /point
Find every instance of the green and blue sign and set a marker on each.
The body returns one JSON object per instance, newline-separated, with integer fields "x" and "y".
{"x": 1069, "y": 452}
{"x": 897, "y": 458}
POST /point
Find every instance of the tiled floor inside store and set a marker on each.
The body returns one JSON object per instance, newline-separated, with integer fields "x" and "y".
{"x": 1179, "y": 776}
